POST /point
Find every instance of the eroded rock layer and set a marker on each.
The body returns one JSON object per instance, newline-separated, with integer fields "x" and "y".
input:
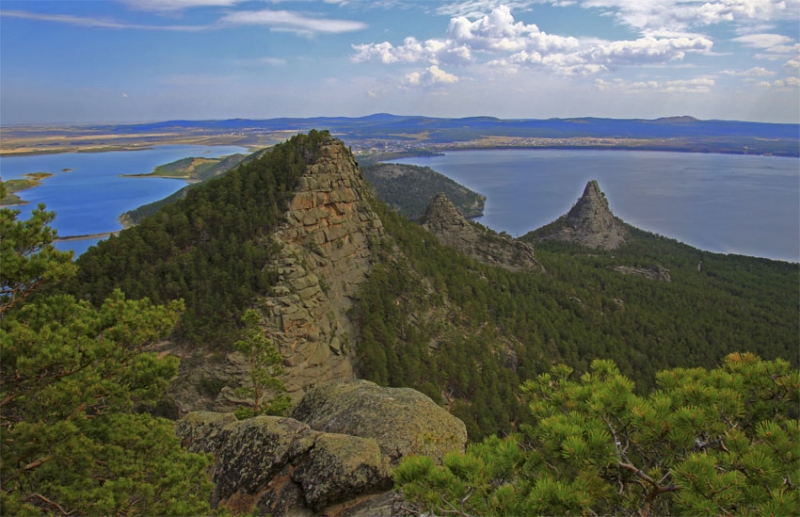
{"x": 452, "y": 229}
{"x": 324, "y": 256}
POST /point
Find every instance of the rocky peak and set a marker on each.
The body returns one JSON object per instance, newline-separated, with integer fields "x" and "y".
{"x": 444, "y": 220}
{"x": 590, "y": 222}
{"x": 443, "y": 214}
{"x": 324, "y": 257}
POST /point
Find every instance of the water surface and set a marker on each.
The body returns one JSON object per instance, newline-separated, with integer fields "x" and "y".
{"x": 87, "y": 191}
{"x": 741, "y": 204}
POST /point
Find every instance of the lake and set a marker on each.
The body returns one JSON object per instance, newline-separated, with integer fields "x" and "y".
{"x": 740, "y": 204}
{"x": 91, "y": 195}
{"x": 721, "y": 203}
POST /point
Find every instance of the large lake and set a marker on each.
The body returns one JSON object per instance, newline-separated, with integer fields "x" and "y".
{"x": 741, "y": 204}
{"x": 89, "y": 198}
{"x": 721, "y": 203}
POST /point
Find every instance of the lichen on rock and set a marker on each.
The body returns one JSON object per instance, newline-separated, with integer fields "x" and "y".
{"x": 403, "y": 421}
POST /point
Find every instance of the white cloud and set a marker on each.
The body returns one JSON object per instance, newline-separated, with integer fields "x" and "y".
{"x": 696, "y": 85}
{"x": 764, "y": 41}
{"x": 412, "y": 51}
{"x": 781, "y": 84}
{"x": 290, "y": 21}
{"x": 476, "y": 8}
{"x": 433, "y": 75}
{"x": 517, "y": 45}
{"x": 756, "y": 71}
{"x": 646, "y": 50}
{"x": 679, "y": 15}
{"x": 793, "y": 64}
{"x": 753, "y": 72}
{"x": 498, "y": 32}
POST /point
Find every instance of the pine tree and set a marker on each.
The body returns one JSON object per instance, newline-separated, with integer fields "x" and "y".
{"x": 73, "y": 378}
{"x": 717, "y": 442}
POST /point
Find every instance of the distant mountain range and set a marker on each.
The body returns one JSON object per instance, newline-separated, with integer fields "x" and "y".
{"x": 387, "y": 125}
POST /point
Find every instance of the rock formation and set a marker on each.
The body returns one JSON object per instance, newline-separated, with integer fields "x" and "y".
{"x": 589, "y": 223}
{"x": 482, "y": 244}
{"x": 403, "y": 421}
{"x": 282, "y": 466}
{"x": 651, "y": 273}
{"x": 324, "y": 257}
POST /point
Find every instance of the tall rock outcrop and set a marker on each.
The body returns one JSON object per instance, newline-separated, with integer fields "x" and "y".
{"x": 444, "y": 220}
{"x": 324, "y": 256}
{"x": 589, "y": 223}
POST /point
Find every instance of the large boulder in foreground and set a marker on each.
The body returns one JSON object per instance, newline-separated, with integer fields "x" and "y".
{"x": 337, "y": 461}
{"x": 403, "y": 421}
{"x": 282, "y": 466}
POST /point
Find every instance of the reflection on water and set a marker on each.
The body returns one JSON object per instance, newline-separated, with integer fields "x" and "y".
{"x": 721, "y": 203}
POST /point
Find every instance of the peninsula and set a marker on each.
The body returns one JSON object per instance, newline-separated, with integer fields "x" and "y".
{"x": 30, "y": 180}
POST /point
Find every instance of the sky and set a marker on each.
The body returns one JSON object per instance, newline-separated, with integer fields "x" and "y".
{"x": 126, "y": 61}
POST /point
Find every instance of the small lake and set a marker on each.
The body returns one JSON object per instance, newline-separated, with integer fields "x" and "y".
{"x": 741, "y": 204}
{"x": 90, "y": 195}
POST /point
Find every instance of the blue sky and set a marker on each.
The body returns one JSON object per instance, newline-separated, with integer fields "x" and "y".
{"x": 147, "y": 60}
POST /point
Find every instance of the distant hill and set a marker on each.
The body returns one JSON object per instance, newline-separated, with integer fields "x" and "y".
{"x": 409, "y": 188}
{"x": 398, "y": 134}
{"x": 443, "y": 129}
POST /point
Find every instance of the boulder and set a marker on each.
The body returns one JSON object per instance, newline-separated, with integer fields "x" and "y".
{"x": 403, "y": 421}
{"x": 282, "y": 466}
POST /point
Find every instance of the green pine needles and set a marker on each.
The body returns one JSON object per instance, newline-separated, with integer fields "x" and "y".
{"x": 718, "y": 442}
{"x": 73, "y": 378}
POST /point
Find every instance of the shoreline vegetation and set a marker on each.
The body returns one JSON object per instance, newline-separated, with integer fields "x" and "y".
{"x": 29, "y": 181}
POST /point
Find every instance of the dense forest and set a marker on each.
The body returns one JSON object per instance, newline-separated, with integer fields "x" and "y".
{"x": 408, "y": 189}
{"x": 464, "y": 333}
{"x": 208, "y": 249}
{"x": 433, "y": 319}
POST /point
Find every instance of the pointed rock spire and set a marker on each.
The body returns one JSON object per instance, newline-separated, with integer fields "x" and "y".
{"x": 590, "y": 222}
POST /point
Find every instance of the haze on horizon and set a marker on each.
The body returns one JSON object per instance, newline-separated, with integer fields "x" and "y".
{"x": 121, "y": 61}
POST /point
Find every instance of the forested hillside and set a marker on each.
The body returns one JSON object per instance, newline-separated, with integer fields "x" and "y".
{"x": 435, "y": 320}
{"x": 409, "y": 189}
{"x": 208, "y": 249}
{"x": 465, "y": 333}
{"x": 609, "y": 431}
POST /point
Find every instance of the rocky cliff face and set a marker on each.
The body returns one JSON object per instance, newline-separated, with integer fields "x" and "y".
{"x": 324, "y": 257}
{"x": 589, "y": 223}
{"x": 482, "y": 244}
{"x": 337, "y": 461}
